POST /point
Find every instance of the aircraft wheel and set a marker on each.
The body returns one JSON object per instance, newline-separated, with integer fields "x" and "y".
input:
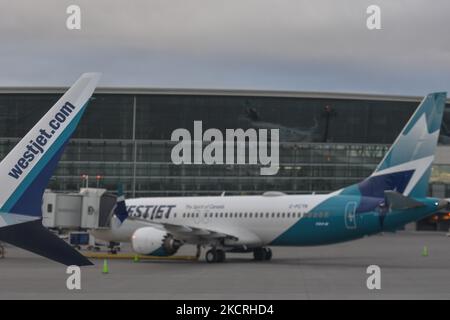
{"x": 259, "y": 254}
{"x": 211, "y": 256}
{"x": 268, "y": 254}
{"x": 220, "y": 255}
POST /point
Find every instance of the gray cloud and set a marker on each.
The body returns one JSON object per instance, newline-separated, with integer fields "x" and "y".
{"x": 249, "y": 44}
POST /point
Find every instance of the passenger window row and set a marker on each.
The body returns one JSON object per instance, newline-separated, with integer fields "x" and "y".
{"x": 243, "y": 215}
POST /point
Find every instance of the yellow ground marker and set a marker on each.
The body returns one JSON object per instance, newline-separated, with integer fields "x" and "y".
{"x": 131, "y": 256}
{"x": 105, "y": 267}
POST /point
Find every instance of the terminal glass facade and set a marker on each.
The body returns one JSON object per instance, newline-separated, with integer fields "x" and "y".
{"x": 325, "y": 143}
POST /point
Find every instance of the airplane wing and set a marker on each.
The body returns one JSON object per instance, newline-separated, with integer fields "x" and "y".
{"x": 187, "y": 233}
{"x": 29, "y": 234}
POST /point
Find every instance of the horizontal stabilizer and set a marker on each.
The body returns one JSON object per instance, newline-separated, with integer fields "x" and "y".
{"x": 398, "y": 201}
{"x": 32, "y": 236}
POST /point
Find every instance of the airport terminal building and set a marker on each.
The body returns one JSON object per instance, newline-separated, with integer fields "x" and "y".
{"x": 327, "y": 140}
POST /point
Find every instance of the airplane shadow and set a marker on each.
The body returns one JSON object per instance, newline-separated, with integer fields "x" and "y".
{"x": 312, "y": 262}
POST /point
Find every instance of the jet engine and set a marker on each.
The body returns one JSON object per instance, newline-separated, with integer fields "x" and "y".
{"x": 153, "y": 242}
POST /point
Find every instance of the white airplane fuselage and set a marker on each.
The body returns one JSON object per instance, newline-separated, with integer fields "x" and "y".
{"x": 255, "y": 221}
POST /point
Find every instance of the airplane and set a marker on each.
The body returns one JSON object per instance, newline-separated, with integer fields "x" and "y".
{"x": 27, "y": 169}
{"x": 393, "y": 195}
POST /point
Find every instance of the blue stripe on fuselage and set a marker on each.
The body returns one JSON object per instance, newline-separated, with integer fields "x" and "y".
{"x": 310, "y": 231}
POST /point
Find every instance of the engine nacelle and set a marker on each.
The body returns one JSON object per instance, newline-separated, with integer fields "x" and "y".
{"x": 153, "y": 242}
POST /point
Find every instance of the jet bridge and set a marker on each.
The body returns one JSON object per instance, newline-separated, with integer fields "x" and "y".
{"x": 90, "y": 208}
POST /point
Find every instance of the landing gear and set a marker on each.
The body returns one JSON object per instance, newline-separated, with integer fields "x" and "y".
{"x": 268, "y": 252}
{"x": 113, "y": 247}
{"x": 261, "y": 254}
{"x": 215, "y": 255}
{"x": 198, "y": 252}
{"x": 220, "y": 256}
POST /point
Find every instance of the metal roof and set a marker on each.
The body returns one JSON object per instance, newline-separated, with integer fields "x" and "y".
{"x": 220, "y": 92}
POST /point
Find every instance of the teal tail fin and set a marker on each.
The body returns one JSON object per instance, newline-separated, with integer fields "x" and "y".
{"x": 414, "y": 149}
{"x": 406, "y": 167}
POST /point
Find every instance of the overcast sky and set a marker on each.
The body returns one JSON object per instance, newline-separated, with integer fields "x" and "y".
{"x": 321, "y": 45}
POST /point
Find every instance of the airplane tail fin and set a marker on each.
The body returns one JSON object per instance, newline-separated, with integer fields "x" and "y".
{"x": 27, "y": 169}
{"x": 120, "y": 210}
{"x": 406, "y": 167}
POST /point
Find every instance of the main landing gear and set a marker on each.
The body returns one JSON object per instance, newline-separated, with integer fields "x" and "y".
{"x": 261, "y": 254}
{"x": 215, "y": 255}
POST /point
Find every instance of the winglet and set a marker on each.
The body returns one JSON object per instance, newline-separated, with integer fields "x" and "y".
{"x": 27, "y": 169}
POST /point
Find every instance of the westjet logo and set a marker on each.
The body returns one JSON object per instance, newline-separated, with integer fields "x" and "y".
{"x": 37, "y": 145}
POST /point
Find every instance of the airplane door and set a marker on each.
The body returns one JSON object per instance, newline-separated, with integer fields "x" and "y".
{"x": 350, "y": 215}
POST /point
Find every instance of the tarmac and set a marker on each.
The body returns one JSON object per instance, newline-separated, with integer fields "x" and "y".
{"x": 328, "y": 272}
